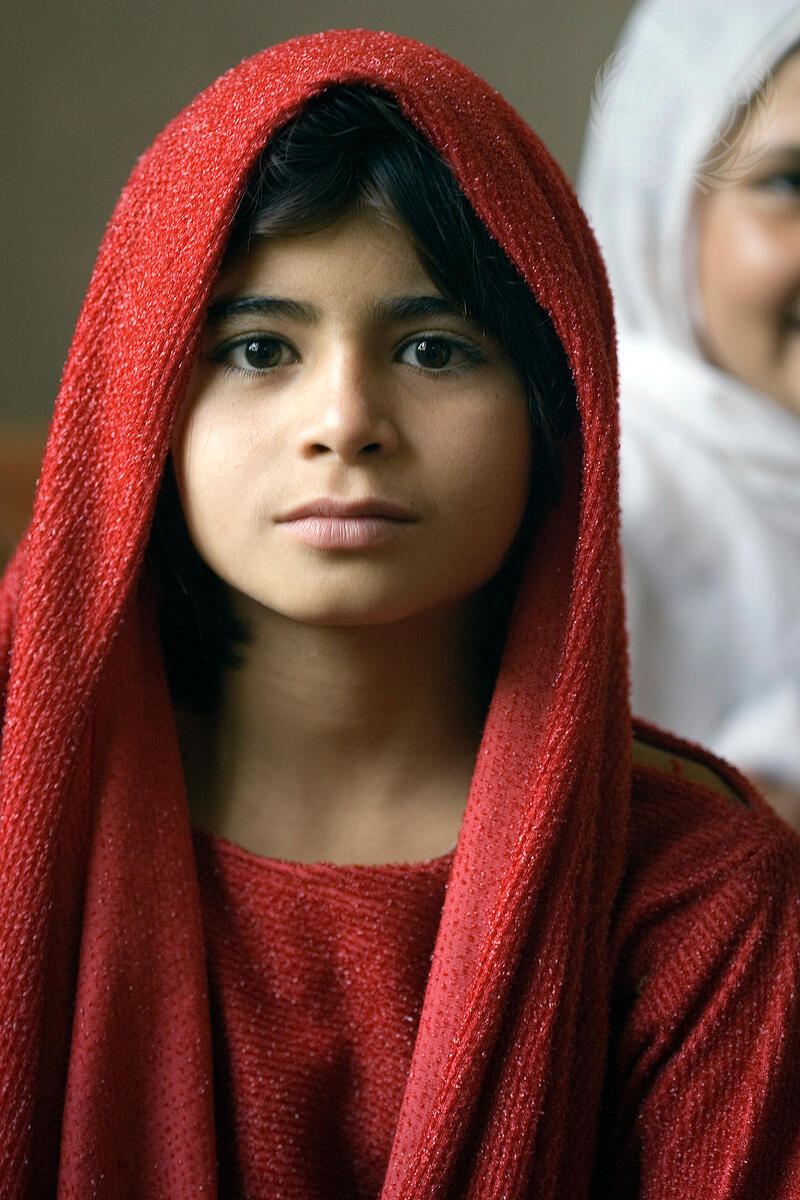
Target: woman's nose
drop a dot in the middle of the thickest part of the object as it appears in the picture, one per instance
(348, 414)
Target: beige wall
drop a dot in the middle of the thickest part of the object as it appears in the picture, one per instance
(88, 85)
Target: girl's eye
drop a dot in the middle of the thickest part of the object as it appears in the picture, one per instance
(438, 353)
(254, 354)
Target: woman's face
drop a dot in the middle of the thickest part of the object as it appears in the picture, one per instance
(351, 449)
(749, 253)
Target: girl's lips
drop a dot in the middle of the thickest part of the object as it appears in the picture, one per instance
(328, 524)
(345, 533)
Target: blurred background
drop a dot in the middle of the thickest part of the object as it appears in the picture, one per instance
(87, 87)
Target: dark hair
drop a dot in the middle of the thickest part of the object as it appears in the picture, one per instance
(352, 149)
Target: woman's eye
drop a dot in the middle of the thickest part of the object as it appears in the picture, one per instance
(253, 354)
(437, 353)
(783, 183)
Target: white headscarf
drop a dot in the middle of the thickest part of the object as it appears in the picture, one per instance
(710, 467)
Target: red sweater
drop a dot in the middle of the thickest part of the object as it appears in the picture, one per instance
(318, 973)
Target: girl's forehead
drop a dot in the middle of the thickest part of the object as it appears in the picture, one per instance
(362, 248)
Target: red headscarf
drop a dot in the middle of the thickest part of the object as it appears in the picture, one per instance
(105, 1058)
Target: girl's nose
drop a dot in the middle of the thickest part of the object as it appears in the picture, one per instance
(348, 415)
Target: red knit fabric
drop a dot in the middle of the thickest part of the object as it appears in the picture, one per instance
(317, 976)
(106, 1082)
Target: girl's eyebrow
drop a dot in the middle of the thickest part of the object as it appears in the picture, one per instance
(386, 309)
(403, 308)
(295, 310)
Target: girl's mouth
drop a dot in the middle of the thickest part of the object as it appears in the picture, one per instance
(330, 524)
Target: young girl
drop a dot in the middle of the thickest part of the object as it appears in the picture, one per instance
(323, 576)
(691, 178)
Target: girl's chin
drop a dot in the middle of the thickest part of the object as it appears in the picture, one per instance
(352, 613)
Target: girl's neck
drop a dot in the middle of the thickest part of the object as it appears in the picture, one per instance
(348, 744)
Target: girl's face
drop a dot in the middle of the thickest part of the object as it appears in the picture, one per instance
(749, 253)
(351, 449)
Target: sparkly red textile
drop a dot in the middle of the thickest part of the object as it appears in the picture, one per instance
(316, 978)
(106, 1081)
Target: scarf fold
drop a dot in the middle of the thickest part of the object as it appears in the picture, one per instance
(99, 913)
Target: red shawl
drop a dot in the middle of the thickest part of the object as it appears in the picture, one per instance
(105, 1061)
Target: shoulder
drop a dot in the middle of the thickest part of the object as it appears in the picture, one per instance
(705, 1009)
(664, 762)
(695, 816)
(707, 859)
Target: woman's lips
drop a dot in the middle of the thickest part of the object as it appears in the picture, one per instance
(336, 525)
